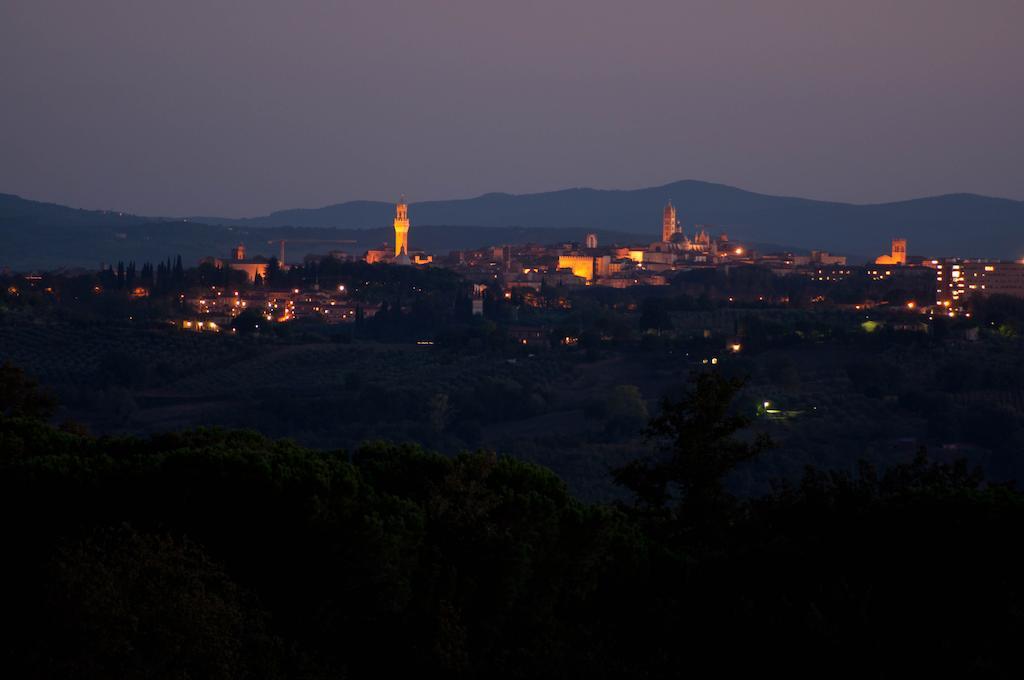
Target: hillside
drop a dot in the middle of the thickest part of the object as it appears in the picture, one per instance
(19, 212)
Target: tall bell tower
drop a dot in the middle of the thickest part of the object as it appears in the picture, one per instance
(899, 251)
(669, 226)
(401, 228)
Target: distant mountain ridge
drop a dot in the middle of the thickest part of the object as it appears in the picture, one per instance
(35, 234)
(966, 225)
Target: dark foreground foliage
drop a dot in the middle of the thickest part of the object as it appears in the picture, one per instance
(226, 554)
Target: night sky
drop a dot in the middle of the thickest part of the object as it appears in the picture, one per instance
(209, 107)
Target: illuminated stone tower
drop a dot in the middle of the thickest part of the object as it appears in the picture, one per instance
(898, 255)
(899, 250)
(401, 228)
(668, 223)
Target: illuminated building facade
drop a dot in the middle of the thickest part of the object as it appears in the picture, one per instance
(957, 279)
(401, 229)
(253, 267)
(820, 257)
(587, 267)
(591, 240)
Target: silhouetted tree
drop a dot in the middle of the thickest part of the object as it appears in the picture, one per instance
(625, 411)
(697, 434)
(178, 273)
(273, 275)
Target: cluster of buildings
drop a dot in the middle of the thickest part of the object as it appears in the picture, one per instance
(254, 267)
(532, 266)
(216, 308)
(955, 278)
(622, 266)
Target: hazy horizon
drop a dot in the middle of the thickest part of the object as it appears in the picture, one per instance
(220, 109)
(411, 201)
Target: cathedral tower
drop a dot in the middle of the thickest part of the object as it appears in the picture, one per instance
(899, 250)
(401, 228)
(899, 253)
(668, 223)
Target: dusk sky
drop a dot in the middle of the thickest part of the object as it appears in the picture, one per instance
(240, 108)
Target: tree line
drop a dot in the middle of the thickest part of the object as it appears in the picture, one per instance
(226, 554)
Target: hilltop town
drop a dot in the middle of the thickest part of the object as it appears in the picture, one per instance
(930, 285)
